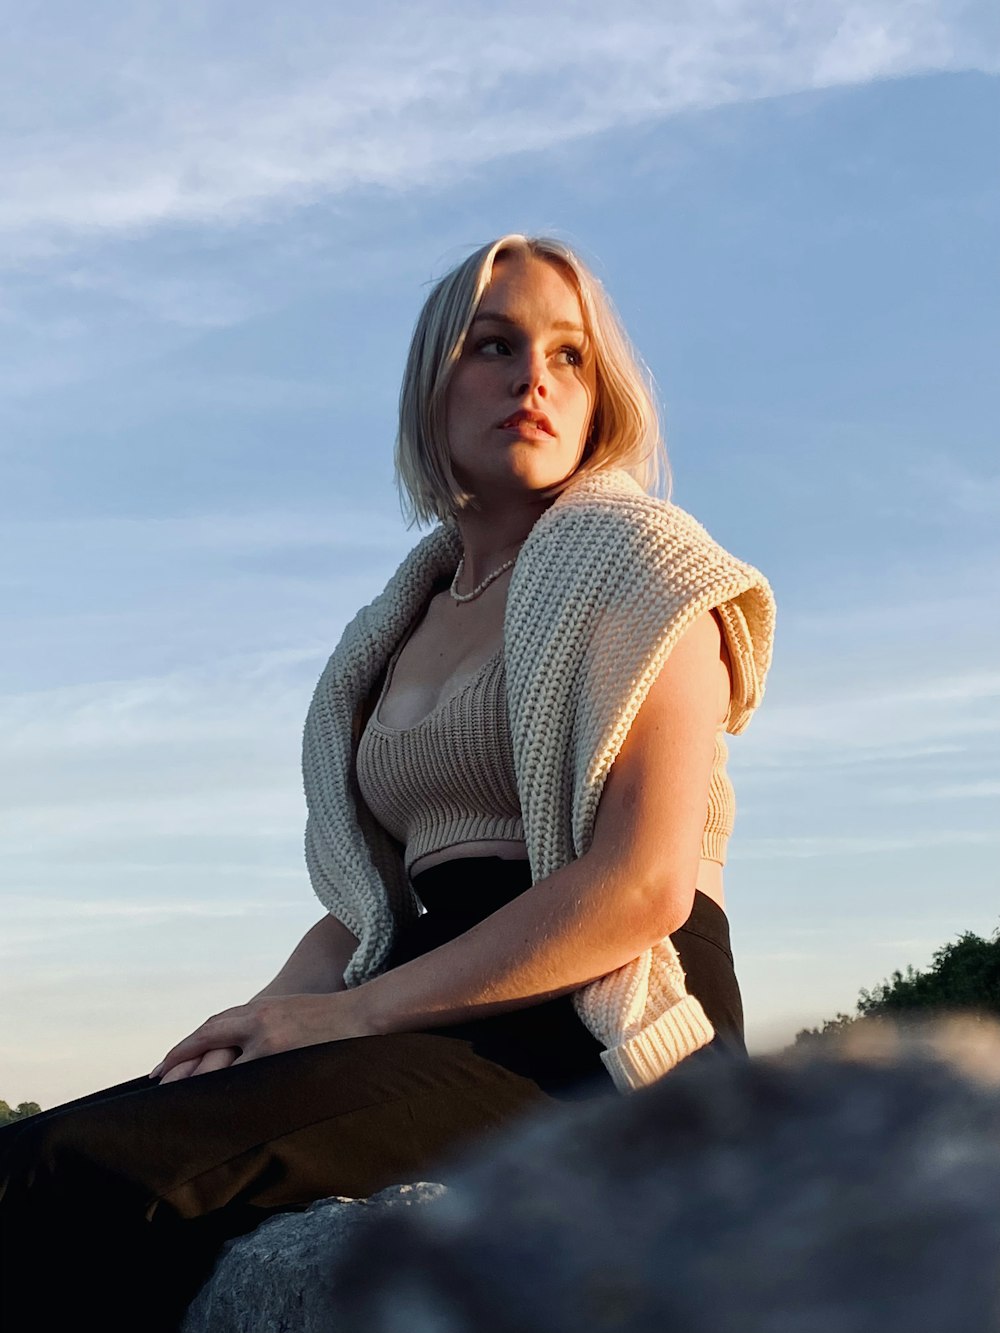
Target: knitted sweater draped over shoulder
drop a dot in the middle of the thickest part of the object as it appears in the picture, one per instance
(606, 583)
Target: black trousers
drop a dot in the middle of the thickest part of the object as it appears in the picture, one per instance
(138, 1186)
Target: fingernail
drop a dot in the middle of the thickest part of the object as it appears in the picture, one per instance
(156, 1072)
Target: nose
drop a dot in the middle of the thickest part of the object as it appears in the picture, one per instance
(531, 374)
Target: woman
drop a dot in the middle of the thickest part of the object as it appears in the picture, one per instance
(517, 794)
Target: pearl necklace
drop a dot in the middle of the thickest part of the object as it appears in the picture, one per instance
(480, 587)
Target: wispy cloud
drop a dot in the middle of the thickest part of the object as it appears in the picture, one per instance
(943, 791)
(833, 845)
(958, 486)
(156, 769)
(32, 921)
(208, 705)
(873, 724)
(179, 117)
(252, 532)
(250, 814)
(122, 623)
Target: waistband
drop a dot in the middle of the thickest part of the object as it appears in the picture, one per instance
(471, 888)
(472, 885)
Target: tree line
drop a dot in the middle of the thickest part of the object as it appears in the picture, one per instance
(19, 1112)
(963, 975)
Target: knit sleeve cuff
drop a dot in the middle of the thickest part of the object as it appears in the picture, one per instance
(654, 1051)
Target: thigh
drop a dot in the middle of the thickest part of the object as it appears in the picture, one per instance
(703, 947)
(136, 1188)
(340, 1118)
(350, 1118)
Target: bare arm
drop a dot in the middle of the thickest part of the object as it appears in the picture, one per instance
(634, 886)
(316, 965)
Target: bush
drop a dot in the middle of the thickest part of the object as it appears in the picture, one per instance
(19, 1112)
(963, 975)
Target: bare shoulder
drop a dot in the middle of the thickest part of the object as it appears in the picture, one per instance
(697, 668)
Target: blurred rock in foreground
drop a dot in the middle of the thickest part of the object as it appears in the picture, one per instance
(280, 1276)
(854, 1189)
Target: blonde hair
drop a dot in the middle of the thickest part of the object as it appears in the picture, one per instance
(625, 429)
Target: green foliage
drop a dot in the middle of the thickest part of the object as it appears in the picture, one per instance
(19, 1112)
(831, 1027)
(964, 975)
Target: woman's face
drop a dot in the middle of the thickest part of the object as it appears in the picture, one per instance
(522, 393)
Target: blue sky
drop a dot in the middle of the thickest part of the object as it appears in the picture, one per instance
(215, 233)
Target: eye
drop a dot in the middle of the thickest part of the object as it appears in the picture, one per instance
(493, 346)
(573, 355)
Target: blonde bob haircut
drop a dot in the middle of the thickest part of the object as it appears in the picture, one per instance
(624, 430)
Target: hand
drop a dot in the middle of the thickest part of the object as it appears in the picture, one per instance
(265, 1026)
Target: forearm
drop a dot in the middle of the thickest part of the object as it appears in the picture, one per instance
(586, 920)
(316, 964)
(577, 925)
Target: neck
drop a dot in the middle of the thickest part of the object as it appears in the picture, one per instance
(489, 537)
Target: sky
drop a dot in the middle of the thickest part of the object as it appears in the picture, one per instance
(217, 225)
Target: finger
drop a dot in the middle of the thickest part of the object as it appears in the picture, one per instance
(214, 1060)
(182, 1070)
(206, 1064)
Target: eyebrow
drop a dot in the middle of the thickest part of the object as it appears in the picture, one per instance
(494, 317)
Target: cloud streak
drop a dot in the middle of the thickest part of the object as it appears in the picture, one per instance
(833, 845)
(186, 119)
(940, 715)
(256, 533)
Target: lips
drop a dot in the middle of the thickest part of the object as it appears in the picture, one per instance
(526, 417)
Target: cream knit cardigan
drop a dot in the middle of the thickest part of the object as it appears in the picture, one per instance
(607, 581)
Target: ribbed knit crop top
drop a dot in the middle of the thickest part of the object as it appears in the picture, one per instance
(450, 778)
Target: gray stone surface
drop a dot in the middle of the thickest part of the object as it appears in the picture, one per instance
(850, 1192)
(278, 1278)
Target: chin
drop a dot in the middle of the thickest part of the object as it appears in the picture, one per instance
(536, 473)
(523, 473)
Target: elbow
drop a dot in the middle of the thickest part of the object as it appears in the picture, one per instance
(663, 900)
(641, 902)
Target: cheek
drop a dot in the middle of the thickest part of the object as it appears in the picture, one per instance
(458, 402)
(465, 392)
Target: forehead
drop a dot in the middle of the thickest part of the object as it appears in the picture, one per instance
(524, 286)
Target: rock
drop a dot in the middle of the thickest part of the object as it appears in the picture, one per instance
(854, 1190)
(278, 1278)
